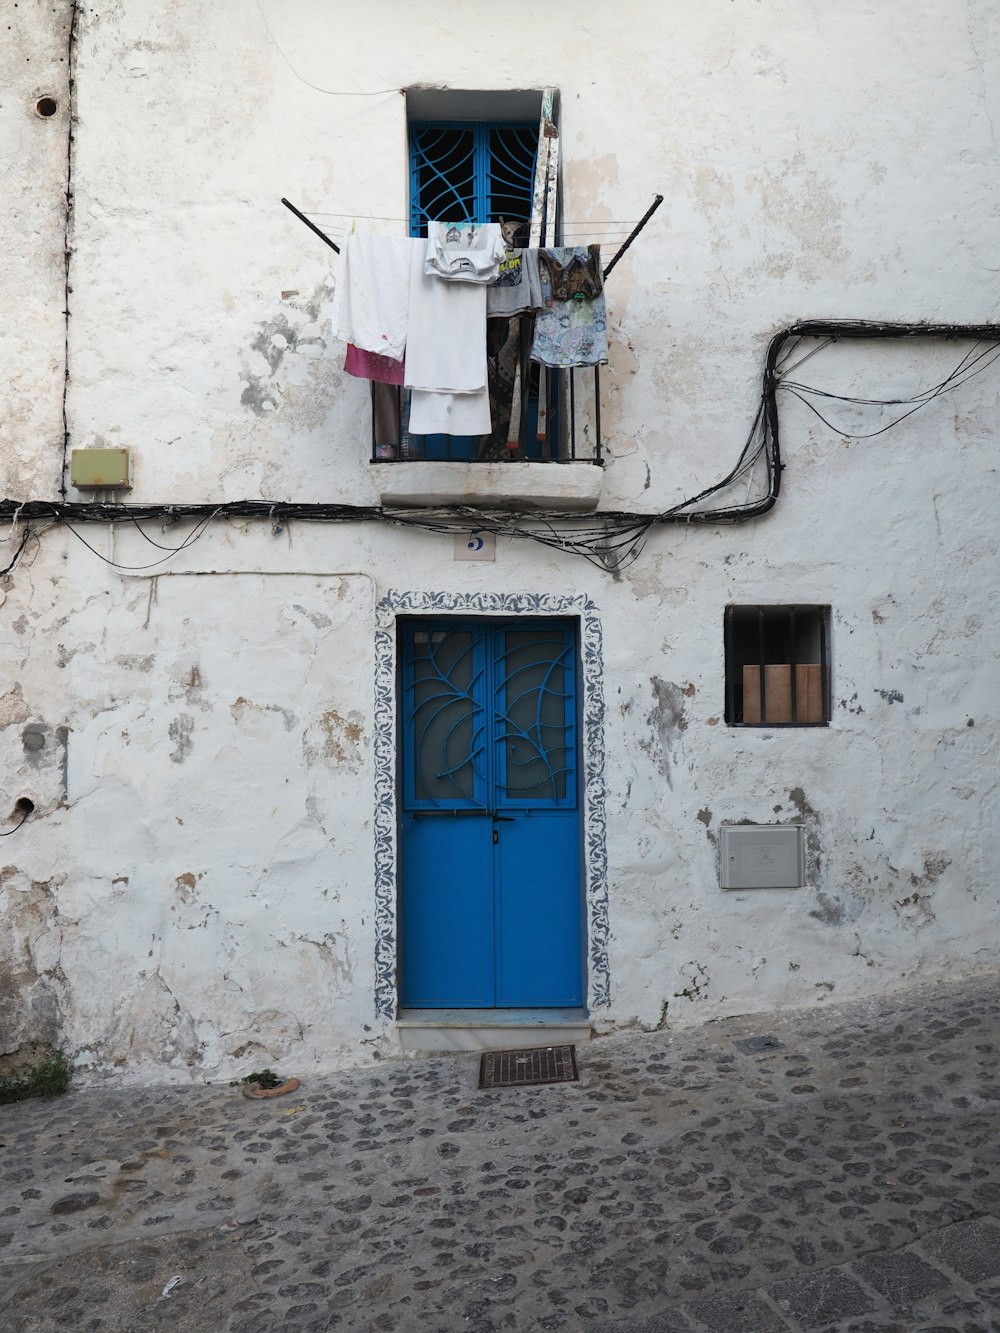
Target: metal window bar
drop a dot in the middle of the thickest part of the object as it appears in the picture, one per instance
(553, 387)
(760, 661)
(824, 664)
(526, 326)
(572, 416)
(791, 660)
(597, 412)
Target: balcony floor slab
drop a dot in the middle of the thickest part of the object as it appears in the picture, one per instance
(533, 486)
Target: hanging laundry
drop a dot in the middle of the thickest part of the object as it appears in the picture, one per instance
(446, 348)
(371, 366)
(503, 346)
(575, 271)
(517, 289)
(571, 329)
(371, 302)
(449, 413)
(464, 251)
(385, 419)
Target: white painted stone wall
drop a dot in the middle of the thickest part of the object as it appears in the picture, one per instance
(193, 895)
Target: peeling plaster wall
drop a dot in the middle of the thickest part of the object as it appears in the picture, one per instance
(193, 895)
(211, 910)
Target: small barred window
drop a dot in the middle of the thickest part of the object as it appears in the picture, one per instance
(777, 666)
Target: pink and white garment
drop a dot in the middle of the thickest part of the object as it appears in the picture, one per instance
(426, 299)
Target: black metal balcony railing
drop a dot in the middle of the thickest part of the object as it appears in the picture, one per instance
(570, 429)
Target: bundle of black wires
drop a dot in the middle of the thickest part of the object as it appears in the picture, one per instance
(611, 540)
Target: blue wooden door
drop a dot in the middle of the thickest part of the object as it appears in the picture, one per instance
(490, 898)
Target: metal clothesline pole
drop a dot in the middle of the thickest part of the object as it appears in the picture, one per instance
(312, 226)
(635, 232)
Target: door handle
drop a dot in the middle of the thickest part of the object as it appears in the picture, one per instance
(501, 819)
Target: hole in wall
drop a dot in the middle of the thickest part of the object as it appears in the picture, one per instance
(24, 805)
(46, 106)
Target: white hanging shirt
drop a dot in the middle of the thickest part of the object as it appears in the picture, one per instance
(464, 251)
(450, 413)
(371, 303)
(446, 354)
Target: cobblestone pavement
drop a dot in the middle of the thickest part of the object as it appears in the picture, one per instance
(831, 1170)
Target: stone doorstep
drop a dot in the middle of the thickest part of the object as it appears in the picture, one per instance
(490, 1029)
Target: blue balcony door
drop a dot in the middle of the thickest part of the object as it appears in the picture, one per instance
(490, 892)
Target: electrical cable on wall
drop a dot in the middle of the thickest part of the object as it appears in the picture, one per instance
(26, 806)
(18, 553)
(328, 92)
(608, 539)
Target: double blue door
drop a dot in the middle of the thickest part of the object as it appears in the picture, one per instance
(490, 899)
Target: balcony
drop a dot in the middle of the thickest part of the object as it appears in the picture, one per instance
(547, 458)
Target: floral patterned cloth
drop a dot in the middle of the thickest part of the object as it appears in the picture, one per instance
(572, 332)
(579, 275)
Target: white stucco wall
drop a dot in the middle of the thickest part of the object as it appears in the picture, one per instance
(194, 893)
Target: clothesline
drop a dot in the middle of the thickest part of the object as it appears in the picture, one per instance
(383, 217)
(340, 229)
(606, 241)
(622, 246)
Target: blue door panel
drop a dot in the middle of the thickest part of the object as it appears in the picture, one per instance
(446, 918)
(539, 956)
(491, 897)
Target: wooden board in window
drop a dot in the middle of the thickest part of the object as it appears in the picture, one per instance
(778, 693)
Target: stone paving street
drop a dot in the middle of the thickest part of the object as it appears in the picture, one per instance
(831, 1170)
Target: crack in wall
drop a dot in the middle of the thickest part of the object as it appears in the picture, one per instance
(68, 229)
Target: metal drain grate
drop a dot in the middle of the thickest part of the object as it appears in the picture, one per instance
(519, 1069)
